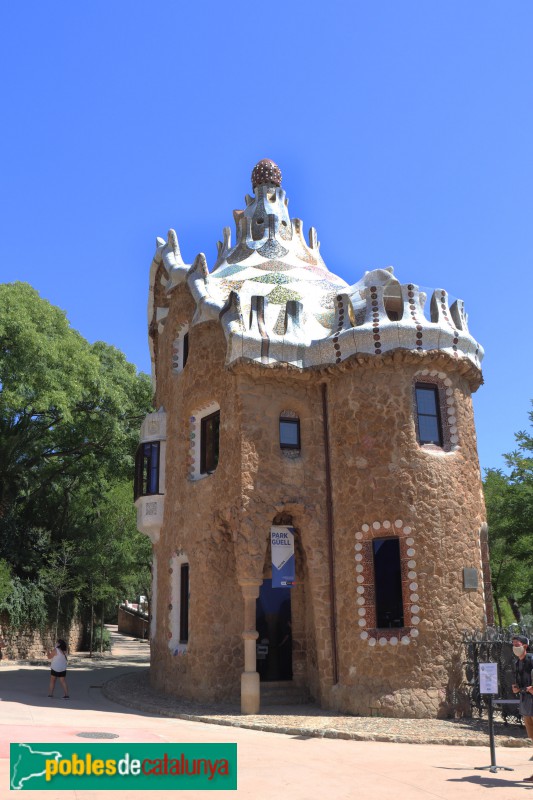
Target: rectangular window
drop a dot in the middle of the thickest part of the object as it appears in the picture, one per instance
(289, 433)
(209, 439)
(388, 582)
(428, 414)
(147, 469)
(185, 349)
(184, 603)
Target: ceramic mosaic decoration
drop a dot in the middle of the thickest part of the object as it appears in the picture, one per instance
(278, 302)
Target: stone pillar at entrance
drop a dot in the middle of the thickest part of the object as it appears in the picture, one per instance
(250, 695)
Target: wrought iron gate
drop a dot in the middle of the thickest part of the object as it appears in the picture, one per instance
(492, 645)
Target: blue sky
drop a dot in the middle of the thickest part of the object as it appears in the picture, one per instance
(403, 131)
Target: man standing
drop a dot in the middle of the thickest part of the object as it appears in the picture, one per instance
(522, 684)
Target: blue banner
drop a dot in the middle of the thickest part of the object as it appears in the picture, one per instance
(282, 544)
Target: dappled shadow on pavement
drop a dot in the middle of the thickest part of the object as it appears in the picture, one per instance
(492, 783)
(27, 683)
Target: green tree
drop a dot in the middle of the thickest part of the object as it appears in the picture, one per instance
(509, 499)
(113, 558)
(6, 584)
(66, 407)
(69, 420)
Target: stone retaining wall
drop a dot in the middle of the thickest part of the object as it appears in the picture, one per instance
(34, 644)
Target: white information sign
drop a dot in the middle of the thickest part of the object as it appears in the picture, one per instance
(488, 678)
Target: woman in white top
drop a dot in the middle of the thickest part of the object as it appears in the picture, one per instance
(58, 667)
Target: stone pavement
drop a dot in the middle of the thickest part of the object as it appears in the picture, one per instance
(298, 765)
(134, 690)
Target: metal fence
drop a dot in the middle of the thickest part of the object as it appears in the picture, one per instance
(492, 645)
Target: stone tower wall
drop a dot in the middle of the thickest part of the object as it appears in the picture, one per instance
(194, 522)
(380, 477)
(385, 483)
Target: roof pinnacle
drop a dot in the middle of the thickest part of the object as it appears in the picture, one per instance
(266, 172)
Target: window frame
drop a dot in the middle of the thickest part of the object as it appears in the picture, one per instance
(185, 349)
(437, 416)
(209, 464)
(379, 584)
(184, 603)
(147, 469)
(295, 421)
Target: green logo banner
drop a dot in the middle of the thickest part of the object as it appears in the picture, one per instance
(123, 766)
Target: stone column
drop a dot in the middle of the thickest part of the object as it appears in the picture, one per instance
(250, 694)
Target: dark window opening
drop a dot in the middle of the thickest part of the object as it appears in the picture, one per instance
(185, 350)
(289, 433)
(428, 414)
(388, 582)
(146, 470)
(209, 440)
(184, 603)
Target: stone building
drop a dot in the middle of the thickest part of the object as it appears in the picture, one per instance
(338, 416)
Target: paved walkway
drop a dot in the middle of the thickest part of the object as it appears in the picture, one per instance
(133, 690)
(270, 764)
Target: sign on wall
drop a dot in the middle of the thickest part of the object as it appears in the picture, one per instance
(282, 544)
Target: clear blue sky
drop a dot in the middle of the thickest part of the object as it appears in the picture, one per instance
(404, 131)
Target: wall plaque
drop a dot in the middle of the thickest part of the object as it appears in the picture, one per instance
(470, 578)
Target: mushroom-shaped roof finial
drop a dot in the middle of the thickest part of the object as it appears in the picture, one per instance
(266, 172)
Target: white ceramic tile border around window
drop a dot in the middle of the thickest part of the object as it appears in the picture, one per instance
(450, 430)
(153, 604)
(175, 562)
(367, 533)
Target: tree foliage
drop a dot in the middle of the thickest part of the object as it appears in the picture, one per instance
(69, 419)
(509, 499)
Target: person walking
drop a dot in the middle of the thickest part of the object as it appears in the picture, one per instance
(523, 684)
(58, 669)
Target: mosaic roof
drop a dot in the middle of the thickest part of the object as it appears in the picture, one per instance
(278, 302)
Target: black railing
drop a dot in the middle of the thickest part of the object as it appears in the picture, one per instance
(492, 645)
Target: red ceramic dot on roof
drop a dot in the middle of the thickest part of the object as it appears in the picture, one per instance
(266, 172)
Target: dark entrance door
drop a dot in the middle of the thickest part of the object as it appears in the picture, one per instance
(274, 644)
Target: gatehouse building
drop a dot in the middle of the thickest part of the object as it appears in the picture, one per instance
(340, 419)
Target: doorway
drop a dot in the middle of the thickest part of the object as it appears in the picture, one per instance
(274, 626)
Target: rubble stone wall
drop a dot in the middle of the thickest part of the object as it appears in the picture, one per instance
(32, 644)
(430, 497)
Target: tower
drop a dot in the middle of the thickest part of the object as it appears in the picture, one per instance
(338, 414)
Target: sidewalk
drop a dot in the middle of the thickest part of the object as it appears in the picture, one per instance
(134, 691)
(299, 765)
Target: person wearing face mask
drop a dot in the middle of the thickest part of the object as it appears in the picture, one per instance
(523, 684)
